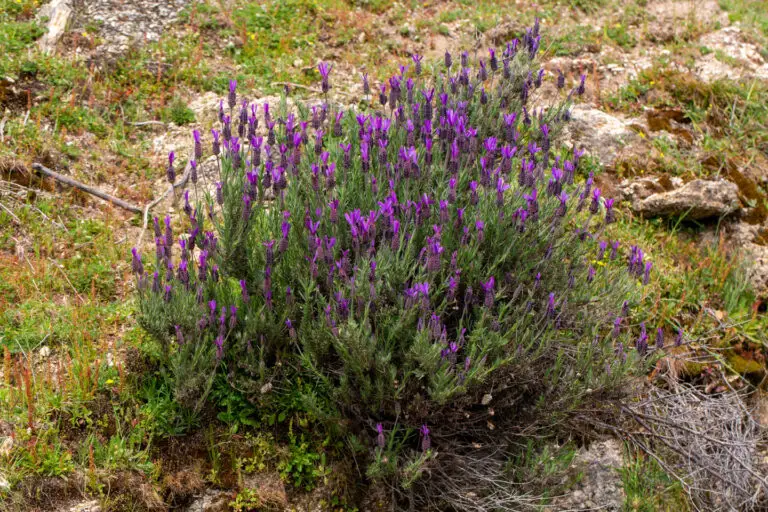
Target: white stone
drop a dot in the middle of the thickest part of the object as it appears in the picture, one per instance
(58, 12)
(602, 135)
(6, 446)
(86, 506)
(697, 199)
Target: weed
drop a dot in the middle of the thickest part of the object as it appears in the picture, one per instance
(179, 113)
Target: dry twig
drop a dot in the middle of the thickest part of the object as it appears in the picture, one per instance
(86, 188)
(709, 440)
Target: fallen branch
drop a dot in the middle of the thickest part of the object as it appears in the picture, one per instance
(82, 186)
(114, 200)
(149, 206)
(9, 212)
(145, 123)
(307, 88)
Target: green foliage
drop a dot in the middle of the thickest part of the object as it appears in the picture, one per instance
(376, 6)
(246, 500)
(44, 455)
(162, 412)
(17, 31)
(303, 466)
(749, 12)
(619, 34)
(315, 312)
(234, 408)
(179, 113)
(648, 488)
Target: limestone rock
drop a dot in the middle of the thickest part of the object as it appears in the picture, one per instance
(744, 58)
(750, 239)
(124, 24)
(211, 501)
(697, 199)
(638, 189)
(602, 135)
(86, 506)
(600, 486)
(59, 14)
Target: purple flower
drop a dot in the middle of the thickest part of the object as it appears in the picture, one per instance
(474, 198)
(198, 144)
(435, 250)
(219, 342)
(616, 327)
(232, 317)
(603, 247)
(561, 209)
(219, 193)
(551, 306)
(183, 273)
(501, 187)
(594, 206)
(417, 61)
(366, 85)
(480, 227)
(642, 341)
(325, 70)
(647, 272)
(179, 335)
(610, 215)
(620, 352)
(659, 338)
(171, 172)
(136, 265)
(246, 207)
(488, 288)
(581, 88)
(291, 329)
(494, 61)
(244, 291)
(426, 442)
(380, 439)
(232, 98)
(555, 185)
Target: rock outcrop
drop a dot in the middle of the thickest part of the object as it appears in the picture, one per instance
(696, 200)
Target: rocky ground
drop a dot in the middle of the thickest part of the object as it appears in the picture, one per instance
(675, 122)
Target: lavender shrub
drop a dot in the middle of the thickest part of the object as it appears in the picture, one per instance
(433, 268)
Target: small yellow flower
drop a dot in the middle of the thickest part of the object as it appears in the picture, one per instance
(109, 382)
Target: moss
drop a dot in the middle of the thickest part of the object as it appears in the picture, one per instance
(744, 366)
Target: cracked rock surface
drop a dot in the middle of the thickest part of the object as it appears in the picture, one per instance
(125, 23)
